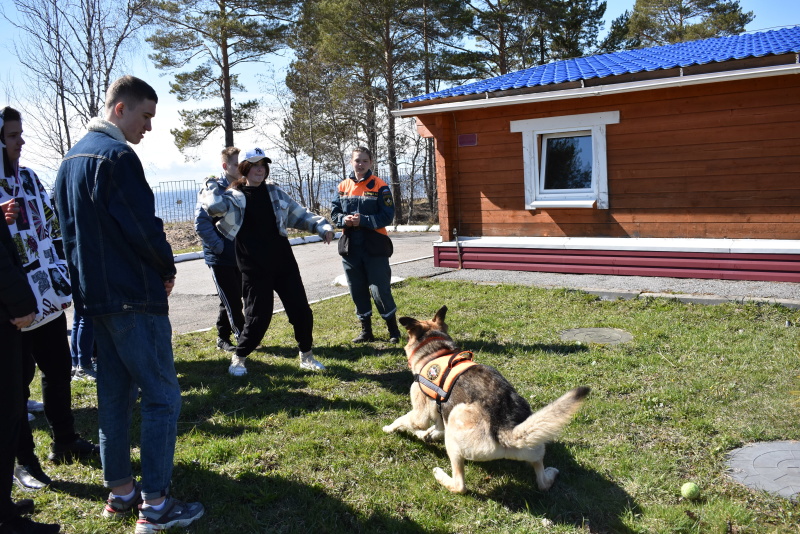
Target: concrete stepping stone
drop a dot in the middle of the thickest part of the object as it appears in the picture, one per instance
(770, 466)
(608, 336)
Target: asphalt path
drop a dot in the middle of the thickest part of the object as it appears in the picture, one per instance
(194, 302)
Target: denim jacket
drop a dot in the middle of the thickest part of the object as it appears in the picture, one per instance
(117, 251)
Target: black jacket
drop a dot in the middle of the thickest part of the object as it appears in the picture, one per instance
(16, 297)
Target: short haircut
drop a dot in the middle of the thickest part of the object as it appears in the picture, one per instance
(8, 114)
(363, 149)
(130, 90)
(229, 151)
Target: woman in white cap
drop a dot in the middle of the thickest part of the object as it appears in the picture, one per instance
(265, 257)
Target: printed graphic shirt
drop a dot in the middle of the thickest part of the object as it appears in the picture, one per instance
(37, 236)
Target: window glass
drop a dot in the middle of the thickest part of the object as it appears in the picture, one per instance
(567, 161)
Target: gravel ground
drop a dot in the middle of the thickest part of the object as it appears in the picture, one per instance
(628, 286)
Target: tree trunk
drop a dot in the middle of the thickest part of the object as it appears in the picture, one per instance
(391, 134)
(227, 109)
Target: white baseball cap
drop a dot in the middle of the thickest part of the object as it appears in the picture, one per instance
(254, 155)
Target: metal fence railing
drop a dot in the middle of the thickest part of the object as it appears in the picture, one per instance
(175, 201)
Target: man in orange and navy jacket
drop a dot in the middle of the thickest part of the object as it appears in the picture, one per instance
(365, 205)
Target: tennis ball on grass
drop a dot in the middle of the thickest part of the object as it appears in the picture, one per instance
(690, 490)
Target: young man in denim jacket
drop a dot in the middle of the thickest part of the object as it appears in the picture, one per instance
(123, 271)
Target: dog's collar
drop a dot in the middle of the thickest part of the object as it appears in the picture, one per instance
(438, 353)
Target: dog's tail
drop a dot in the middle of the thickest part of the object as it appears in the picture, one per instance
(546, 424)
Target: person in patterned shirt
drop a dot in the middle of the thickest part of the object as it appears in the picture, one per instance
(37, 236)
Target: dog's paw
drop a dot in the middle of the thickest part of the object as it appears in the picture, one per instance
(388, 429)
(445, 480)
(550, 475)
(431, 435)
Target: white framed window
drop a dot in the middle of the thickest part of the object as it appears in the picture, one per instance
(565, 160)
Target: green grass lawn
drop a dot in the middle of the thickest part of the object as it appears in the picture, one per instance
(283, 450)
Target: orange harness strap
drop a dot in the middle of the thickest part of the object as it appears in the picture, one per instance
(438, 376)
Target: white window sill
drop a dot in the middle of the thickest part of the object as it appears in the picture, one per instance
(561, 204)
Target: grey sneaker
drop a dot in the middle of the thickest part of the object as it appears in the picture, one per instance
(117, 507)
(174, 514)
(307, 361)
(83, 373)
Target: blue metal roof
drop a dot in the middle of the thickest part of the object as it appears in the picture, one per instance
(631, 61)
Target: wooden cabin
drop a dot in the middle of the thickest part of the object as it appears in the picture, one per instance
(679, 161)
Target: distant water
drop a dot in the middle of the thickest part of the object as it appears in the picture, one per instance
(174, 204)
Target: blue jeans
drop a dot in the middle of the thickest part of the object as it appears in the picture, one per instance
(134, 350)
(82, 340)
(369, 276)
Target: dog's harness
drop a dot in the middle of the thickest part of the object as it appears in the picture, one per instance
(437, 376)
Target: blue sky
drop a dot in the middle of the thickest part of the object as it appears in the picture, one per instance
(164, 163)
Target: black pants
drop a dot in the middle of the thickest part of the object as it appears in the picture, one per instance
(47, 347)
(283, 277)
(11, 413)
(228, 280)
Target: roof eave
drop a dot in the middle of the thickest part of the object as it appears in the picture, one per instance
(486, 101)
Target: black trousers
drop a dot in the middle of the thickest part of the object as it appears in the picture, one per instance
(259, 287)
(47, 346)
(228, 280)
(12, 414)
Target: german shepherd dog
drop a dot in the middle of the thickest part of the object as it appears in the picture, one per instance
(483, 418)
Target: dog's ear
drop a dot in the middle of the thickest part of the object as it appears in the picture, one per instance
(408, 322)
(439, 318)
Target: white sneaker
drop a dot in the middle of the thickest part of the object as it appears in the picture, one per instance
(307, 361)
(237, 367)
(35, 406)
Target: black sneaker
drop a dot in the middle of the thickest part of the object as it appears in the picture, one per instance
(66, 452)
(23, 507)
(23, 525)
(116, 508)
(174, 514)
(31, 477)
(226, 345)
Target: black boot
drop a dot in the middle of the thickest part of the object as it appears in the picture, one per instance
(366, 332)
(394, 332)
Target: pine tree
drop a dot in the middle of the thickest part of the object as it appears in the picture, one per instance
(660, 22)
(211, 39)
(578, 22)
(618, 36)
